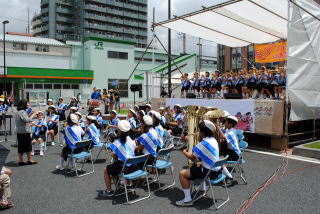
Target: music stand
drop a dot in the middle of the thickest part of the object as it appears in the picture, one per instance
(4, 129)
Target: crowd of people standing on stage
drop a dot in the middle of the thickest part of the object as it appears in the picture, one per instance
(254, 83)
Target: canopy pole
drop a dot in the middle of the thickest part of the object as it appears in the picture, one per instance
(169, 50)
(145, 51)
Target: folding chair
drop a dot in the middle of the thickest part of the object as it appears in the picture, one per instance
(101, 146)
(162, 162)
(138, 174)
(220, 178)
(238, 163)
(85, 148)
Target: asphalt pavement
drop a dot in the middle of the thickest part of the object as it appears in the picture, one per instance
(42, 189)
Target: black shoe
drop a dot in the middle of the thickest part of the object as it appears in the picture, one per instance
(31, 163)
(22, 163)
(230, 182)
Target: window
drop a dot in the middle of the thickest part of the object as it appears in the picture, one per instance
(20, 46)
(117, 55)
(74, 86)
(47, 86)
(160, 60)
(38, 86)
(28, 86)
(121, 85)
(57, 86)
(140, 92)
(42, 48)
(66, 86)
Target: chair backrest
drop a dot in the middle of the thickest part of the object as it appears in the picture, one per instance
(243, 145)
(165, 151)
(240, 134)
(220, 162)
(137, 159)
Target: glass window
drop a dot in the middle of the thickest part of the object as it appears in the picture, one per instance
(74, 86)
(28, 86)
(47, 86)
(42, 48)
(57, 86)
(20, 46)
(66, 86)
(117, 55)
(38, 86)
(123, 55)
(119, 84)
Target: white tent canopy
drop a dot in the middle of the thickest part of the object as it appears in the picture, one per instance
(236, 23)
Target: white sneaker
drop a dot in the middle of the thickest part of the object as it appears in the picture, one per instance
(32, 153)
(60, 167)
(53, 143)
(41, 153)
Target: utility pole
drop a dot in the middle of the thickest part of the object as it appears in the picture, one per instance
(200, 55)
(184, 43)
(28, 20)
(169, 51)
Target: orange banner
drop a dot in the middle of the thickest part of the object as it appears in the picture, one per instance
(268, 53)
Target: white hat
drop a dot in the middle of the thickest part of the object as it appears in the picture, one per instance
(39, 112)
(152, 111)
(51, 106)
(209, 125)
(136, 106)
(124, 126)
(91, 117)
(74, 108)
(60, 98)
(226, 114)
(97, 109)
(143, 112)
(78, 113)
(232, 118)
(157, 115)
(1, 100)
(161, 108)
(132, 111)
(114, 111)
(147, 120)
(148, 105)
(49, 100)
(74, 98)
(178, 105)
(74, 118)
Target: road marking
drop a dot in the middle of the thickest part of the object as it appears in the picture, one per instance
(280, 155)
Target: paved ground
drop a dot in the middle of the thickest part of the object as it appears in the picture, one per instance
(41, 189)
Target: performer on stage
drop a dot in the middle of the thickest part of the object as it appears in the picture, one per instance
(72, 135)
(123, 148)
(204, 155)
(206, 83)
(61, 107)
(185, 85)
(177, 125)
(92, 130)
(147, 142)
(53, 121)
(216, 84)
(196, 83)
(39, 134)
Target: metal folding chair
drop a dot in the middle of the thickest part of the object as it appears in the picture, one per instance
(85, 152)
(101, 146)
(138, 174)
(243, 145)
(220, 178)
(162, 162)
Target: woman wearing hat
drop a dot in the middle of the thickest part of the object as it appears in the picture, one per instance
(39, 134)
(204, 155)
(177, 124)
(72, 134)
(122, 149)
(53, 121)
(92, 130)
(61, 108)
(73, 103)
(163, 118)
(23, 121)
(148, 141)
(81, 123)
(114, 120)
(156, 116)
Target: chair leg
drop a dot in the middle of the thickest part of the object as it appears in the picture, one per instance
(242, 174)
(227, 194)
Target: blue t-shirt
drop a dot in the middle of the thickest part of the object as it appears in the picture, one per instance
(95, 95)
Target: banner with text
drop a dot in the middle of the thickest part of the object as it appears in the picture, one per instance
(269, 53)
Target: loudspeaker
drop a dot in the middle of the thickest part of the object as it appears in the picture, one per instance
(232, 96)
(136, 87)
(191, 95)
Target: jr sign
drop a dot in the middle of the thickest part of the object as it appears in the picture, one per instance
(98, 45)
